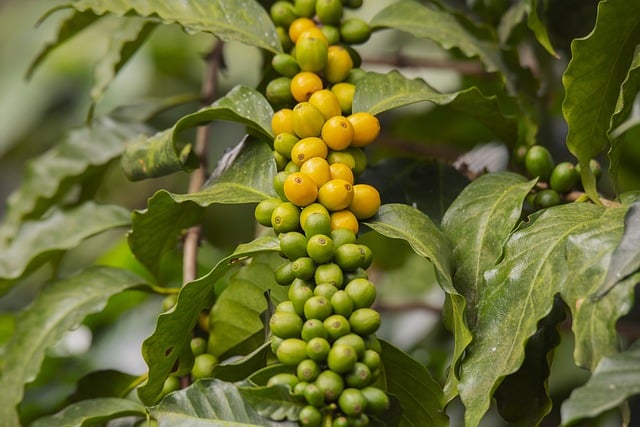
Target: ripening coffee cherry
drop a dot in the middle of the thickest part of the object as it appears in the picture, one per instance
(299, 26)
(332, 33)
(282, 121)
(366, 201)
(341, 421)
(317, 223)
(311, 53)
(285, 217)
(344, 219)
(285, 64)
(283, 143)
(327, 102)
(311, 209)
(564, 177)
(341, 171)
(320, 248)
(338, 64)
(538, 162)
(344, 92)
(330, 384)
(203, 365)
(300, 189)
(292, 351)
(366, 128)
(371, 358)
(293, 244)
(307, 122)
(352, 402)
(337, 132)
(285, 307)
(336, 194)
(264, 209)
(342, 236)
(172, 383)
(318, 169)
(303, 85)
(285, 325)
(359, 159)
(278, 184)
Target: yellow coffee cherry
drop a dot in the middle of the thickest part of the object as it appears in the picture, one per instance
(308, 148)
(365, 202)
(298, 26)
(304, 84)
(313, 32)
(336, 194)
(344, 219)
(341, 157)
(341, 171)
(326, 102)
(300, 189)
(338, 64)
(344, 92)
(337, 132)
(317, 169)
(311, 209)
(282, 121)
(366, 128)
(307, 120)
(311, 52)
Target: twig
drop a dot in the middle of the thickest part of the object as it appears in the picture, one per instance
(198, 177)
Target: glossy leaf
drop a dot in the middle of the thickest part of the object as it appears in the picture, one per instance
(156, 229)
(381, 92)
(128, 36)
(538, 27)
(165, 153)
(399, 221)
(421, 397)
(478, 223)
(274, 402)
(537, 263)
(240, 369)
(615, 379)
(173, 329)
(592, 80)
(229, 20)
(49, 177)
(91, 412)
(60, 307)
(37, 242)
(210, 403)
(104, 383)
(441, 27)
(235, 317)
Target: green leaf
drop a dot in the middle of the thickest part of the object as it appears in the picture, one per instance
(538, 27)
(229, 20)
(104, 383)
(510, 20)
(592, 80)
(155, 230)
(523, 397)
(49, 177)
(478, 223)
(421, 397)
(164, 152)
(381, 92)
(274, 402)
(173, 330)
(441, 27)
(615, 379)
(37, 242)
(626, 257)
(243, 368)
(60, 307)
(128, 36)
(210, 403)
(91, 412)
(399, 221)
(520, 291)
(589, 256)
(70, 27)
(235, 317)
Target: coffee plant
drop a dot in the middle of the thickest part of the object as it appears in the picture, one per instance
(325, 213)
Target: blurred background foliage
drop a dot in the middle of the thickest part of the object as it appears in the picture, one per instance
(35, 114)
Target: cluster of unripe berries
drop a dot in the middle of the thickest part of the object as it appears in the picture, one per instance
(555, 180)
(324, 333)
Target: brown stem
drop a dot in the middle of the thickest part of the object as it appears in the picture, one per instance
(198, 177)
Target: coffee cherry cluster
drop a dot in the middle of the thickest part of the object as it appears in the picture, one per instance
(556, 180)
(325, 330)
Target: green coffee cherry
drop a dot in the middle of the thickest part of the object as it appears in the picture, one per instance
(303, 268)
(341, 303)
(353, 4)
(298, 294)
(299, 388)
(362, 292)
(320, 248)
(377, 400)
(329, 273)
(284, 274)
(318, 349)
(307, 370)
(285, 307)
(564, 177)
(203, 365)
(342, 358)
(364, 321)
(278, 92)
(547, 198)
(326, 290)
(332, 33)
(285, 325)
(538, 162)
(337, 326)
(292, 351)
(371, 358)
(284, 142)
(172, 383)
(355, 341)
(372, 343)
(282, 13)
(286, 217)
(329, 11)
(351, 256)
(305, 8)
(281, 161)
(285, 64)
(293, 244)
(310, 416)
(352, 402)
(311, 54)
(317, 223)
(355, 31)
(198, 345)
(313, 328)
(359, 158)
(313, 395)
(278, 185)
(361, 420)
(284, 378)
(317, 307)
(264, 209)
(341, 421)
(330, 384)
(359, 377)
(342, 236)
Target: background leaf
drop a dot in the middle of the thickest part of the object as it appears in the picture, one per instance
(173, 329)
(520, 291)
(592, 81)
(477, 223)
(240, 20)
(165, 153)
(274, 402)
(381, 92)
(615, 379)
(91, 412)
(421, 397)
(103, 383)
(210, 400)
(538, 27)
(240, 369)
(37, 242)
(60, 307)
(156, 230)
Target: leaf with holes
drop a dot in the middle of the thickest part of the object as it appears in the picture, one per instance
(92, 412)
